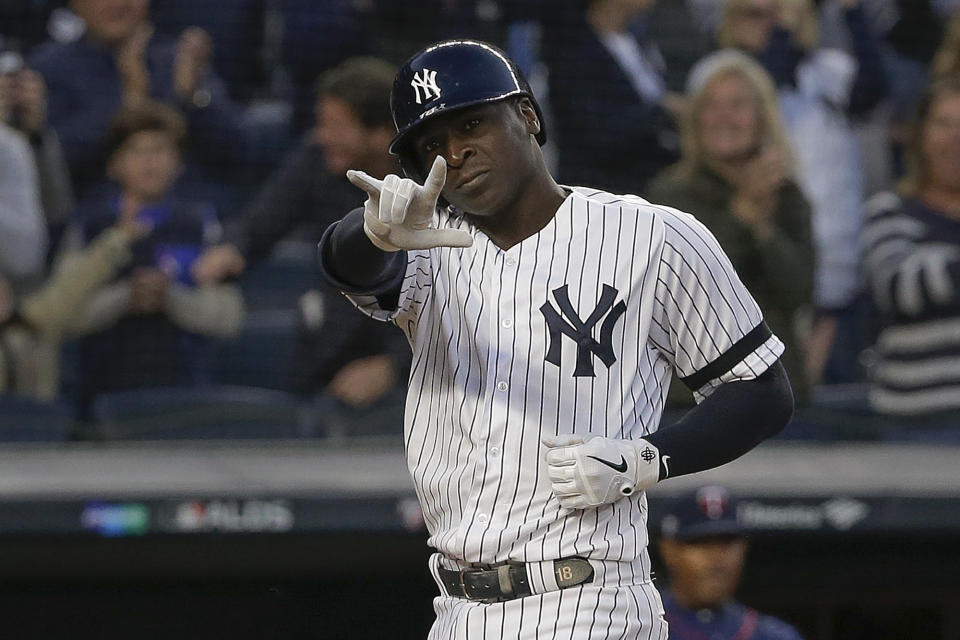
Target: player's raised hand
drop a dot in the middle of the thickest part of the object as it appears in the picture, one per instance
(398, 213)
(589, 473)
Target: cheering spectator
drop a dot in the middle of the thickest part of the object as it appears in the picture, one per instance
(31, 328)
(734, 176)
(819, 91)
(23, 98)
(912, 243)
(346, 355)
(119, 62)
(608, 96)
(238, 27)
(23, 234)
(150, 325)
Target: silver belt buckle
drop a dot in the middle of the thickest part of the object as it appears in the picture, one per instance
(463, 587)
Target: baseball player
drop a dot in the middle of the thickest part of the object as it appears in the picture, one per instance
(545, 322)
(704, 548)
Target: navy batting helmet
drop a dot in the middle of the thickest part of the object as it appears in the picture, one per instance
(446, 76)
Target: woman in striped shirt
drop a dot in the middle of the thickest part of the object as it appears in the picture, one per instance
(912, 243)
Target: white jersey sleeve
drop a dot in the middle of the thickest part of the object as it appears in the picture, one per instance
(704, 319)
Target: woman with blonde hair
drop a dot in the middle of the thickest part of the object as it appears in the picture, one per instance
(735, 177)
(821, 90)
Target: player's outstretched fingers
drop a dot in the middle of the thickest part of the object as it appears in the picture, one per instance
(401, 200)
(457, 238)
(437, 177)
(387, 197)
(363, 180)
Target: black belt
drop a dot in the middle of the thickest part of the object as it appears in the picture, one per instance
(509, 581)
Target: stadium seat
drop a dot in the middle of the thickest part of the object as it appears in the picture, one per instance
(262, 355)
(25, 420)
(278, 281)
(215, 412)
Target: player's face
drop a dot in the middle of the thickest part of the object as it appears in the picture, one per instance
(941, 142)
(728, 121)
(347, 142)
(488, 153)
(112, 21)
(147, 165)
(705, 573)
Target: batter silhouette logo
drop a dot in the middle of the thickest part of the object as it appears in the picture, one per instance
(426, 81)
(581, 331)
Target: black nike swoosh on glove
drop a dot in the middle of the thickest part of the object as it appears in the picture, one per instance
(616, 467)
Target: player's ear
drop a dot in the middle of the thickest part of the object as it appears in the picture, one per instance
(529, 115)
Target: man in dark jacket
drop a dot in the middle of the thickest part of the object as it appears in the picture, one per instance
(350, 357)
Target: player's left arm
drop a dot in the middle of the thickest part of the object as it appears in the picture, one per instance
(708, 325)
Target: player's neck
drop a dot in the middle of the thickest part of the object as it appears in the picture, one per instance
(530, 212)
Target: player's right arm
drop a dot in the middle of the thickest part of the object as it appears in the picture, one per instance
(366, 253)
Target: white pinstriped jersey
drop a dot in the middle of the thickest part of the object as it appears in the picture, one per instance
(575, 329)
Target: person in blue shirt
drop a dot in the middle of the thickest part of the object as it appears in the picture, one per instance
(703, 548)
(152, 324)
(120, 62)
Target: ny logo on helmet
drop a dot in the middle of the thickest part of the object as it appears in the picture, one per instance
(426, 80)
(580, 330)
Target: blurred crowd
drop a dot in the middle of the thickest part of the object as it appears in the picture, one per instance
(166, 170)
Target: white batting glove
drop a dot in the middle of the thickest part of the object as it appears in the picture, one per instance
(598, 470)
(399, 212)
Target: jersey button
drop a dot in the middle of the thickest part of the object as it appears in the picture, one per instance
(507, 323)
(511, 261)
(495, 452)
(502, 386)
(482, 518)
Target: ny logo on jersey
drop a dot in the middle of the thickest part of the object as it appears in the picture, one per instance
(580, 331)
(427, 81)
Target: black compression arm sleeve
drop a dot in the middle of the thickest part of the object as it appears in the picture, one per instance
(351, 263)
(733, 419)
